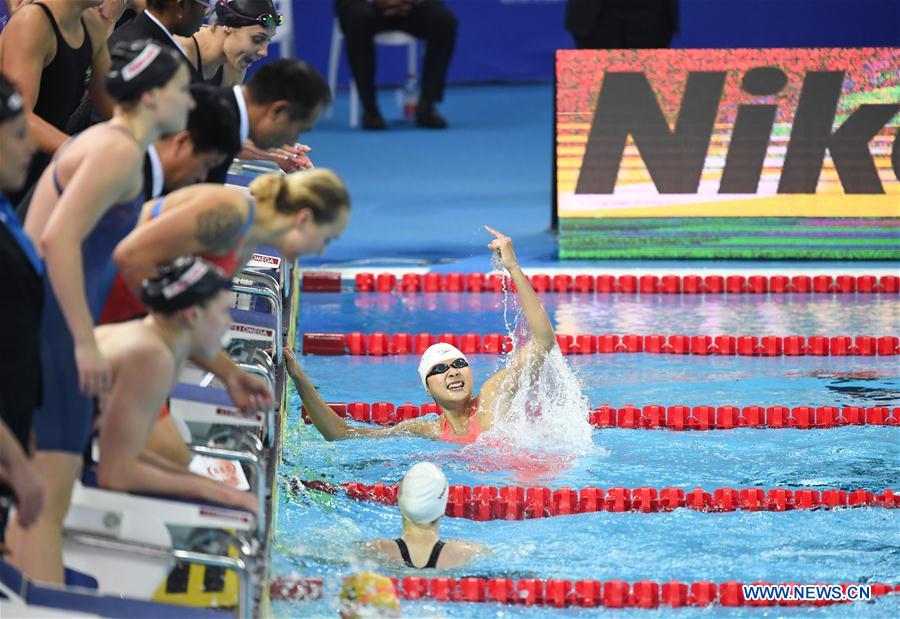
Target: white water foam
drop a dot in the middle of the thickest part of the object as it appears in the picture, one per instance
(542, 408)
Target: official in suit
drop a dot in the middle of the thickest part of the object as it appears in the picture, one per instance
(281, 100)
(429, 20)
(161, 20)
(622, 24)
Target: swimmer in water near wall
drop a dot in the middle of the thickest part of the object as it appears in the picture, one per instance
(447, 377)
(422, 498)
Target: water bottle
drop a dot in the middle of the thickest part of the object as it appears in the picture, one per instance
(409, 96)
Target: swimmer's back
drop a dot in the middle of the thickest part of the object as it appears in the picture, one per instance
(125, 341)
(454, 553)
(108, 152)
(201, 192)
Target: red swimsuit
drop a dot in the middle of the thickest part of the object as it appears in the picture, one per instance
(122, 305)
(471, 434)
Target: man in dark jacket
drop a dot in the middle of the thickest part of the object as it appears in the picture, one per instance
(161, 20)
(429, 20)
(622, 24)
(281, 100)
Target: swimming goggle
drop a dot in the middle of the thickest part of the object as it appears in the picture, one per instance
(440, 368)
(266, 20)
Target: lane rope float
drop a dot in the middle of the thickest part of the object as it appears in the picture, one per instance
(482, 503)
(561, 593)
(657, 416)
(383, 344)
(329, 281)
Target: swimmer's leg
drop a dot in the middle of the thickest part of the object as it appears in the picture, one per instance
(37, 550)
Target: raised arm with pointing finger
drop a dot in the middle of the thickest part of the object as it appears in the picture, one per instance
(446, 376)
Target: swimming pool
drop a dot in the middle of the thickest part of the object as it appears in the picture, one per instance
(846, 545)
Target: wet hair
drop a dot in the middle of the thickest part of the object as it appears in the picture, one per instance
(185, 282)
(138, 67)
(290, 80)
(240, 13)
(319, 190)
(11, 104)
(213, 123)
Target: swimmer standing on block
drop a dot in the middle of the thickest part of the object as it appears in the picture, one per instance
(447, 377)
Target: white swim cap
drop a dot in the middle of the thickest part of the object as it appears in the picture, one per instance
(434, 355)
(422, 496)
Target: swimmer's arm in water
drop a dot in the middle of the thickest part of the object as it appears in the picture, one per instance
(459, 552)
(330, 424)
(380, 550)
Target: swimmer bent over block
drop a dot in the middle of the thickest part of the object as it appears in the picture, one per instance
(445, 373)
(190, 311)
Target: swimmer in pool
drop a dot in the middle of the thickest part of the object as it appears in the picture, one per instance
(422, 498)
(446, 376)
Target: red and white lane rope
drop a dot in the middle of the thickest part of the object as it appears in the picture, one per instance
(560, 593)
(322, 281)
(656, 416)
(484, 503)
(382, 344)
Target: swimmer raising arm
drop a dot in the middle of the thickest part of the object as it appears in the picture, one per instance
(447, 377)
(543, 338)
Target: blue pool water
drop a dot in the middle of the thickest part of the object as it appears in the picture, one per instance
(857, 545)
(575, 314)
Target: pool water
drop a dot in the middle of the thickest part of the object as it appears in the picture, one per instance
(850, 545)
(575, 314)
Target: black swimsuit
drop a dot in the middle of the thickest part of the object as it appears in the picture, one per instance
(61, 88)
(432, 560)
(215, 80)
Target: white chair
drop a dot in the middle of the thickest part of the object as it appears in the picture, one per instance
(388, 38)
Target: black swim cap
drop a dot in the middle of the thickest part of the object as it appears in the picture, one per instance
(11, 104)
(183, 283)
(239, 13)
(139, 66)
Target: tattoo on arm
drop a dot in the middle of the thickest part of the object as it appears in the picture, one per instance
(219, 228)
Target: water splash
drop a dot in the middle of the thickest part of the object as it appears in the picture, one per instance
(497, 266)
(541, 407)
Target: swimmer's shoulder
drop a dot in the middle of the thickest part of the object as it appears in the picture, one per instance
(215, 191)
(135, 344)
(383, 549)
(106, 142)
(457, 553)
(207, 196)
